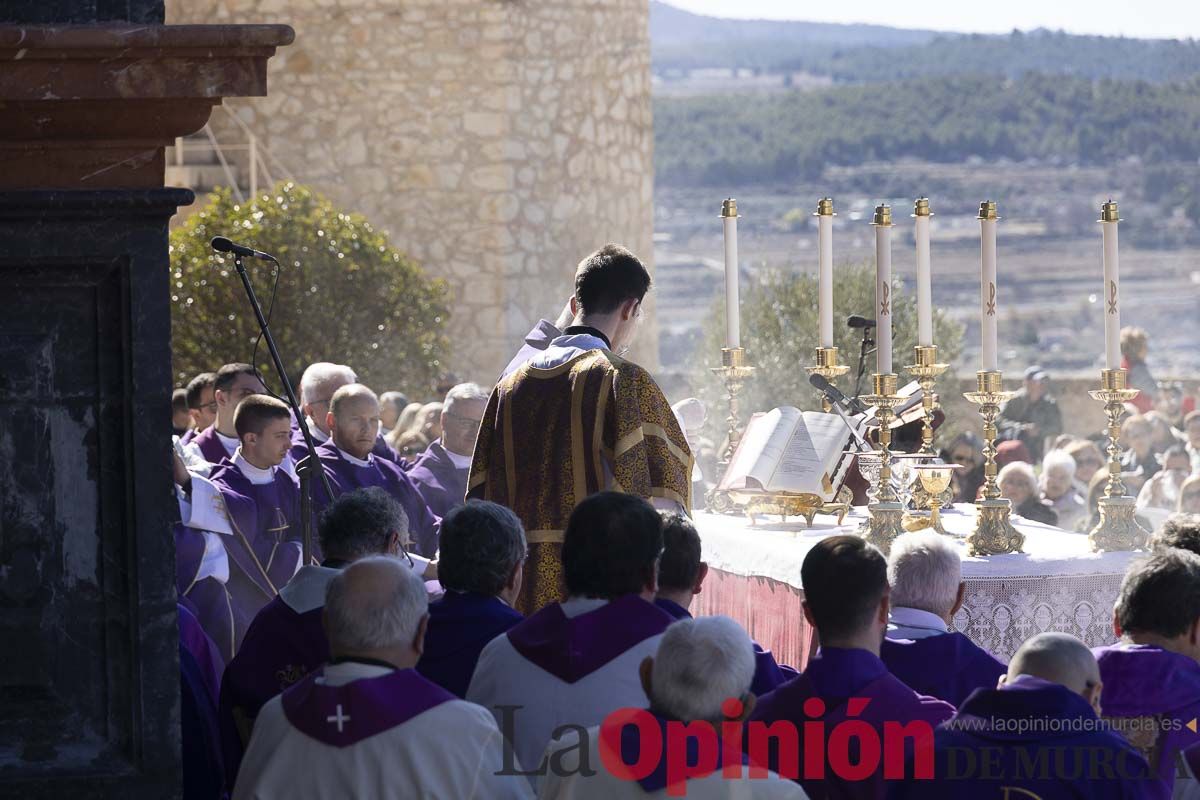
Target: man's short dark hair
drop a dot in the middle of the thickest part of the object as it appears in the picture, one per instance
(179, 401)
(844, 578)
(480, 545)
(611, 545)
(609, 277)
(227, 374)
(681, 554)
(1161, 594)
(196, 387)
(360, 523)
(253, 413)
(1179, 530)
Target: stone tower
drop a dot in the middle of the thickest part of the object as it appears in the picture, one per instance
(497, 141)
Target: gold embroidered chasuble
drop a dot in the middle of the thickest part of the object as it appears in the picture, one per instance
(551, 437)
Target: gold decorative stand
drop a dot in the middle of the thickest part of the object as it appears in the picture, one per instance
(887, 512)
(926, 370)
(993, 533)
(735, 372)
(829, 369)
(1118, 528)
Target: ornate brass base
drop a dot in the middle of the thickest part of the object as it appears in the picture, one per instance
(1118, 528)
(920, 497)
(884, 525)
(919, 522)
(756, 504)
(993, 532)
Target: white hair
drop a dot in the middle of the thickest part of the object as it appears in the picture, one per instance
(924, 570)
(375, 603)
(464, 392)
(1059, 461)
(1018, 469)
(699, 665)
(318, 376)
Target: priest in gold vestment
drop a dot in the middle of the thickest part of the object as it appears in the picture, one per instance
(576, 419)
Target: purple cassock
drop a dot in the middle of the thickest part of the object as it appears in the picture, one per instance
(370, 705)
(188, 435)
(205, 596)
(1162, 688)
(209, 664)
(210, 445)
(268, 515)
(440, 482)
(460, 624)
(284, 643)
(1039, 739)
(948, 666)
(837, 676)
(345, 476)
(381, 450)
(767, 673)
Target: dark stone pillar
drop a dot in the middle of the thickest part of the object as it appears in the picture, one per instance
(89, 676)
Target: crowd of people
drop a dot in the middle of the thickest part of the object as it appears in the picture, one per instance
(496, 603)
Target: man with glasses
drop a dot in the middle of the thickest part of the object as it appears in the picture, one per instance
(233, 384)
(577, 419)
(202, 406)
(440, 473)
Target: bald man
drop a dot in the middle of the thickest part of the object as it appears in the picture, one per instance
(317, 386)
(1037, 735)
(348, 460)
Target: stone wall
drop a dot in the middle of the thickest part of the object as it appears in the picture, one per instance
(497, 141)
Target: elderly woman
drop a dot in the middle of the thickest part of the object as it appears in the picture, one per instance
(1059, 489)
(1088, 459)
(1019, 484)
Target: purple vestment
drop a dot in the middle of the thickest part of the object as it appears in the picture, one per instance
(207, 598)
(460, 624)
(210, 446)
(838, 676)
(571, 648)
(1146, 681)
(535, 342)
(268, 515)
(187, 436)
(381, 449)
(361, 709)
(948, 666)
(767, 673)
(345, 476)
(1038, 738)
(439, 481)
(203, 650)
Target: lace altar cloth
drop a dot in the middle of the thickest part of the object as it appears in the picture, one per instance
(1057, 584)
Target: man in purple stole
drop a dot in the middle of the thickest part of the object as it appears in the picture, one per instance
(317, 385)
(577, 661)
(482, 553)
(368, 724)
(233, 384)
(1037, 735)
(349, 463)
(846, 599)
(681, 575)
(202, 405)
(927, 589)
(1151, 676)
(440, 473)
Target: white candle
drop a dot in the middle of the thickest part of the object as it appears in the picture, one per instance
(921, 217)
(825, 265)
(883, 289)
(988, 307)
(1112, 286)
(729, 217)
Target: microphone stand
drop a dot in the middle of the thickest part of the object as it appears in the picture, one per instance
(309, 462)
(868, 341)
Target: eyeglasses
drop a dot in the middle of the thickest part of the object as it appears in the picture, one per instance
(210, 407)
(469, 421)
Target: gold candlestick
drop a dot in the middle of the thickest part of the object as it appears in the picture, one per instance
(926, 370)
(1118, 528)
(829, 369)
(887, 512)
(993, 532)
(735, 372)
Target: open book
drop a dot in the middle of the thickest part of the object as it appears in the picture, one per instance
(787, 450)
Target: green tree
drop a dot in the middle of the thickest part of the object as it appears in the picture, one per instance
(779, 332)
(344, 293)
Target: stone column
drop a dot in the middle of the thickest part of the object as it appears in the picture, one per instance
(89, 676)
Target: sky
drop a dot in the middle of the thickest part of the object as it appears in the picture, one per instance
(1156, 19)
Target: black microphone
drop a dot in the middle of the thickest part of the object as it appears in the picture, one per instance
(223, 245)
(835, 395)
(858, 321)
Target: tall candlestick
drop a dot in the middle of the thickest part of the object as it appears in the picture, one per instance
(729, 216)
(1112, 285)
(825, 217)
(921, 215)
(987, 284)
(883, 288)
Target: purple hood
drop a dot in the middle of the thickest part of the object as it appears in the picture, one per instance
(1145, 679)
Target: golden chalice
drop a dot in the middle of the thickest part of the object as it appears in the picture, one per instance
(935, 479)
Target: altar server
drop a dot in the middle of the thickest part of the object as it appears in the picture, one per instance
(701, 664)
(575, 662)
(353, 421)
(1151, 675)
(368, 724)
(681, 576)
(1036, 736)
(317, 385)
(481, 558)
(233, 384)
(927, 590)
(202, 406)
(440, 472)
(846, 599)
